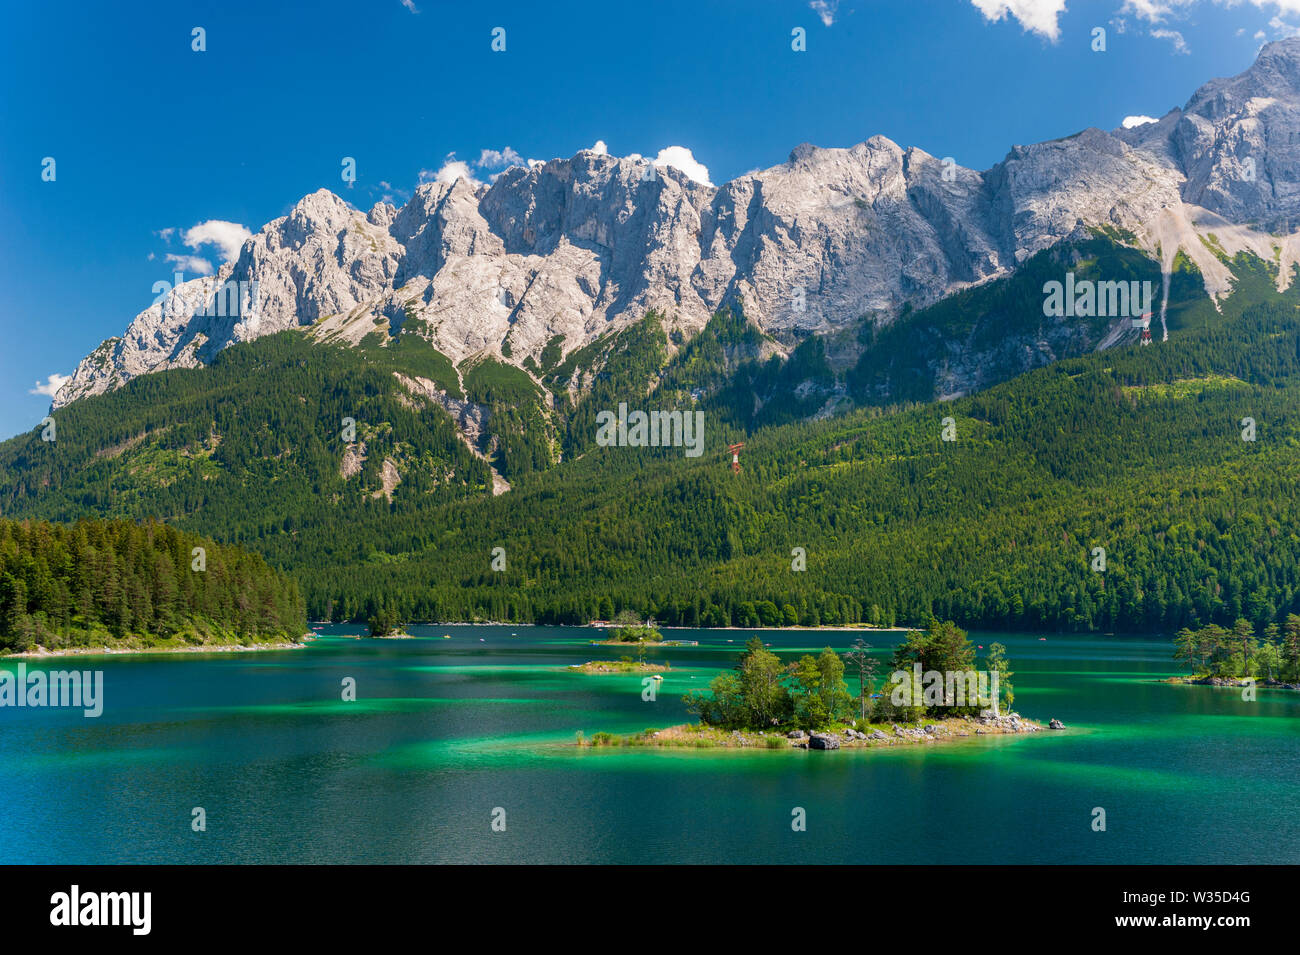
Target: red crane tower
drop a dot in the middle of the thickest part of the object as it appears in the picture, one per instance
(734, 451)
(1144, 323)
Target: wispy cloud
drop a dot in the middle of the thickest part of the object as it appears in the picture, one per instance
(410, 5)
(190, 263)
(1043, 16)
(1282, 29)
(826, 9)
(1174, 37)
(1159, 12)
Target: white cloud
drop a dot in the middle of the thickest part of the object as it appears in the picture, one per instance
(679, 157)
(825, 9)
(1153, 11)
(1180, 45)
(51, 386)
(1131, 121)
(410, 5)
(1157, 11)
(1035, 16)
(191, 263)
(600, 148)
(452, 169)
(228, 237)
(499, 158)
(1043, 16)
(1281, 28)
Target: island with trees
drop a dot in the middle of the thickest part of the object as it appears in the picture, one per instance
(1240, 656)
(767, 703)
(629, 629)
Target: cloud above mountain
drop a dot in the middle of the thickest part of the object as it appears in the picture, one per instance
(227, 237)
(223, 239)
(50, 386)
(450, 170)
(1043, 16)
(681, 158)
(190, 263)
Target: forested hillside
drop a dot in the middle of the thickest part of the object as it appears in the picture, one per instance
(1138, 451)
(1143, 453)
(118, 583)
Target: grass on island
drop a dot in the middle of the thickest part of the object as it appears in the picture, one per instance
(701, 736)
(626, 665)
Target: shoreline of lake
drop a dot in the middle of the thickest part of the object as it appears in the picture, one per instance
(41, 653)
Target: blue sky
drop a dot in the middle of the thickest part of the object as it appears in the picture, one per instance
(150, 136)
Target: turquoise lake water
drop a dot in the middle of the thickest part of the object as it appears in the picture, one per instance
(445, 731)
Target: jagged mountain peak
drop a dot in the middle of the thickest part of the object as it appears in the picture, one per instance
(557, 253)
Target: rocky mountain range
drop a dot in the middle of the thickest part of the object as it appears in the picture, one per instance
(551, 256)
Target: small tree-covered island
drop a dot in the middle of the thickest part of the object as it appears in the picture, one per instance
(1242, 656)
(934, 691)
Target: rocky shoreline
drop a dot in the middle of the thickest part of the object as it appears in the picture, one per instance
(925, 733)
(706, 737)
(1232, 681)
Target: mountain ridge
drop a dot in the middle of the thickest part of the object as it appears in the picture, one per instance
(558, 254)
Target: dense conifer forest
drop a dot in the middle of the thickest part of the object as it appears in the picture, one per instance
(119, 583)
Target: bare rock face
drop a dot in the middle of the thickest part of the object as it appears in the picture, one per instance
(1238, 142)
(578, 247)
(322, 259)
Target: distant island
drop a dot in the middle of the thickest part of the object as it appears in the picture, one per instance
(934, 693)
(627, 627)
(122, 586)
(625, 665)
